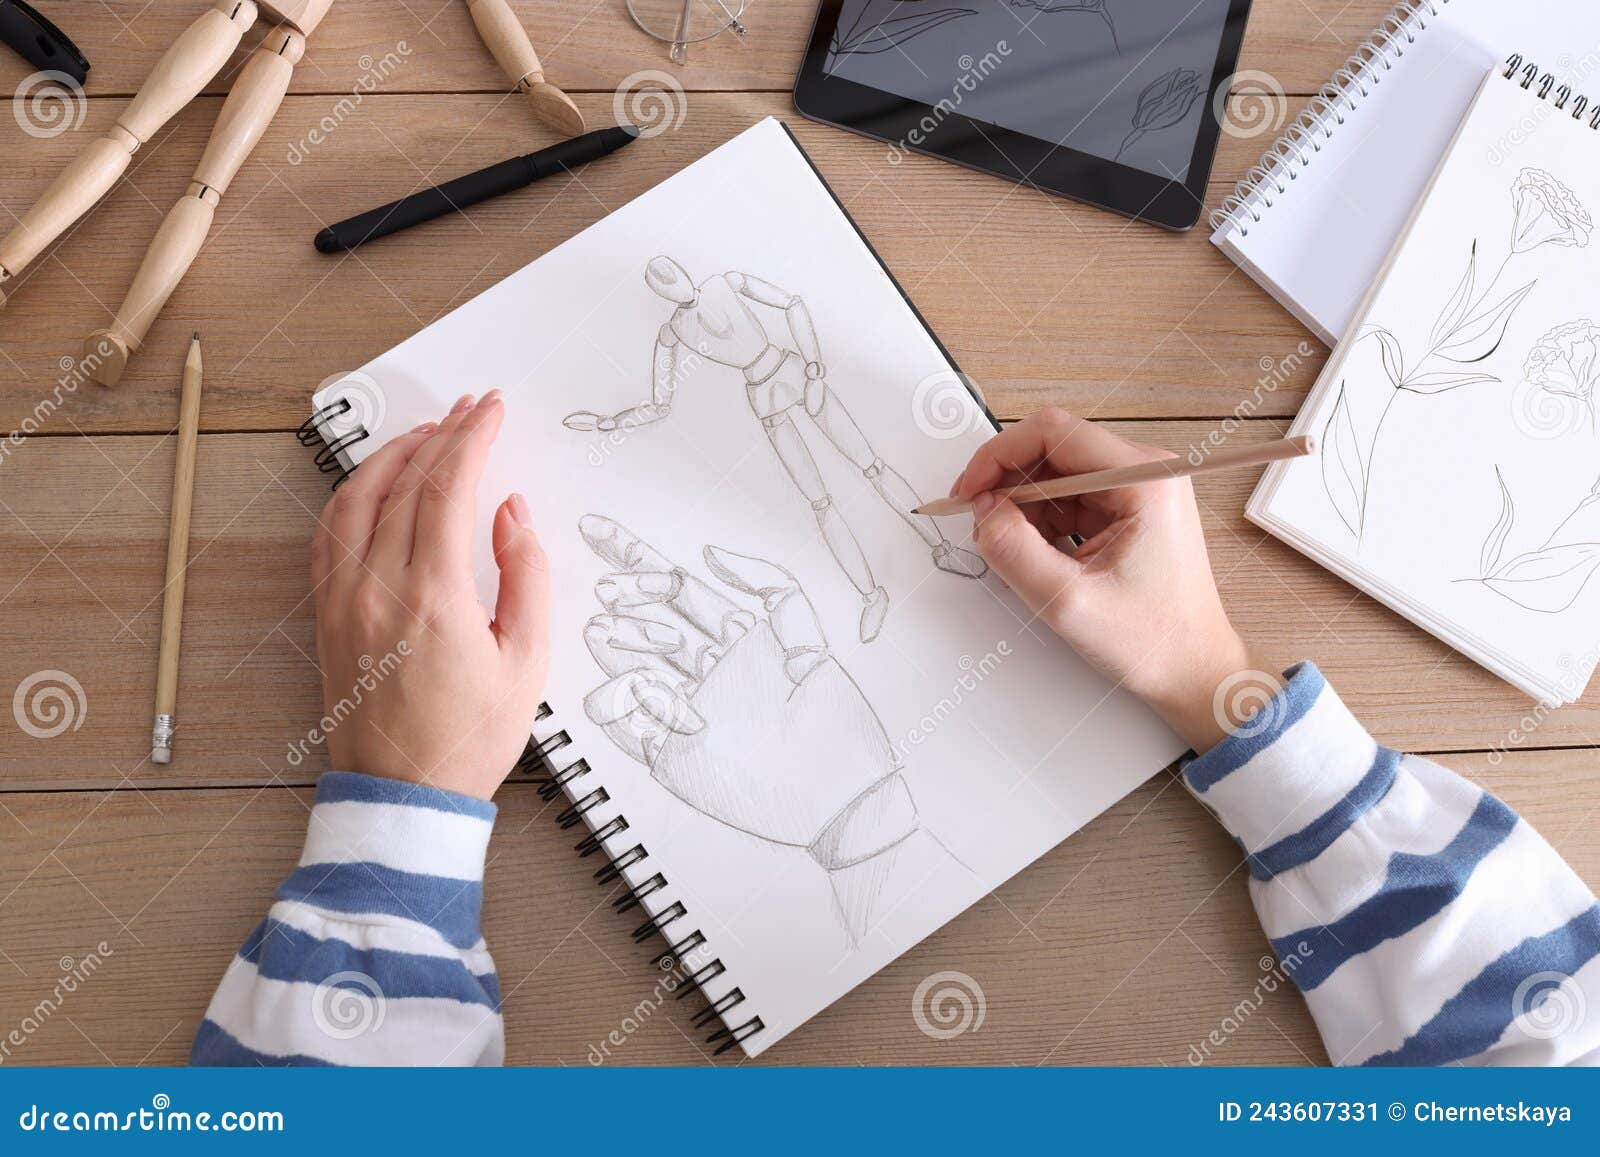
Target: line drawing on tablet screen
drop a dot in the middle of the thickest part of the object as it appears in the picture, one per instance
(1100, 8)
(903, 22)
(716, 321)
(748, 718)
(1163, 103)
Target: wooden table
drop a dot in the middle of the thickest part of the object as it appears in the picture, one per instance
(1132, 943)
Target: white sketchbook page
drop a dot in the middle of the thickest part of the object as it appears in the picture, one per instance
(1436, 521)
(1318, 247)
(1008, 743)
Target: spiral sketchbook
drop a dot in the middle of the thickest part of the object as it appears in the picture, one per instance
(1457, 477)
(795, 728)
(1315, 217)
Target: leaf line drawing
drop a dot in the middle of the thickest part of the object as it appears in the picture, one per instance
(1548, 579)
(748, 718)
(1100, 8)
(1468, 330)
(869, 37)
(891, 31)
(714, 321)
(1163, 103)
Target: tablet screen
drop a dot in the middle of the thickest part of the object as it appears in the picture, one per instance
(1126, 80)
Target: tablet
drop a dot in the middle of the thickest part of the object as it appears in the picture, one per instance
(1112, 102)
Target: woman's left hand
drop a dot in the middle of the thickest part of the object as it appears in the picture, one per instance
(419, 682)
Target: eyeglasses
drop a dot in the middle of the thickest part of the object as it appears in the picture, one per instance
(681, 23)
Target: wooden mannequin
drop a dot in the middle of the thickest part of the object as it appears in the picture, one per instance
(179, 76)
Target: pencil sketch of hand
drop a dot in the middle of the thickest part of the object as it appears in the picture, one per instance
(1550, 577)
(1466, 333)
(748, 718)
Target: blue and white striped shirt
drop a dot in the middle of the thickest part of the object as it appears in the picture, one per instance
(371, 954)
(1423, 920)
(1426, 923)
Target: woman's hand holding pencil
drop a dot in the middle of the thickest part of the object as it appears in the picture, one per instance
(1137, 598)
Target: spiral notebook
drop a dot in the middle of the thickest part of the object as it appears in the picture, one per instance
(1457, 477)
(1314, 219)
(796, 727)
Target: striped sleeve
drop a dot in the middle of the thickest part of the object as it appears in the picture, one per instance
(1425, 922)
(371, 954)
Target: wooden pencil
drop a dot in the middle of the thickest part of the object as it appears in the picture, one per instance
(1157, 471)
(177, 558)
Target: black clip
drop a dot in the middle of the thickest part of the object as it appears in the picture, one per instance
(40, 42)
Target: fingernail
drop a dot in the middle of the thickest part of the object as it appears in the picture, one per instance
(463, 404)
(983, 505)
(425, 428)
(661, 635)
(491, 396)
(521, 512)
(655, 583)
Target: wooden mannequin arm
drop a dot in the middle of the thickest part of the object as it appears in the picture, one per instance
(513, 51)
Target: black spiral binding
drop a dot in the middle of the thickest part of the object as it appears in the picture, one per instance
(1529, 75)
(553, 782)
(327, 459)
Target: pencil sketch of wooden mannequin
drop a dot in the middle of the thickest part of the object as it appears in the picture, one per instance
(714, 321)
(178, 77)
(749, 719)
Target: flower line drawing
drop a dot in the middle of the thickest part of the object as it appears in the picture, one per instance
(1164, 102)
(1548, 213)
(1548, 579)
(1467, 331)
(1566, 363)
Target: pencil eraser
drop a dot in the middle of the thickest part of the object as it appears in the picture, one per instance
(161, 755)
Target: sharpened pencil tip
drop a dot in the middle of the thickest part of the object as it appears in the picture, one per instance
(196, 336)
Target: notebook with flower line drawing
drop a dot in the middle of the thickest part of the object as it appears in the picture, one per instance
(1313, 218)
(1457, 477)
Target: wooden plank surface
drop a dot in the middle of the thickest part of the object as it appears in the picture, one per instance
(1129, 944)
(590, 46)
(82, 539)
(1039, 299)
